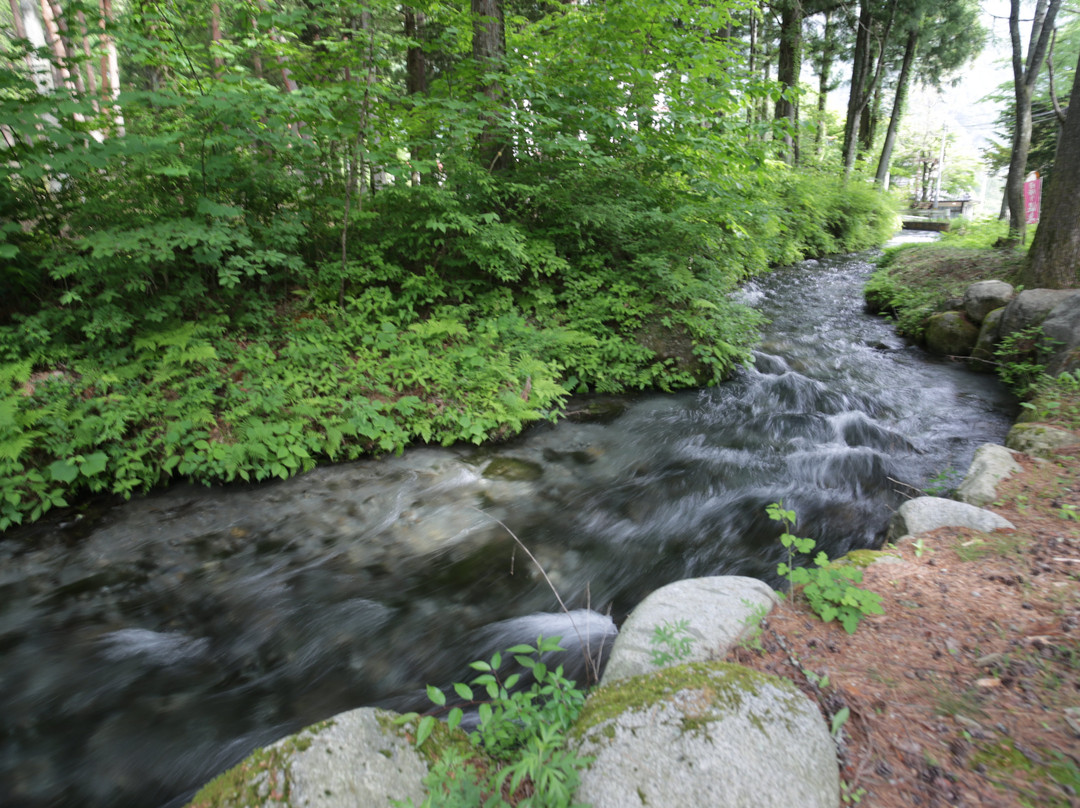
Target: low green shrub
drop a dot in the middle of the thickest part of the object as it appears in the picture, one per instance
(520, 737)
(831, 590)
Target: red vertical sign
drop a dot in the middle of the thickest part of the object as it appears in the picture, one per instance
(1032, 197)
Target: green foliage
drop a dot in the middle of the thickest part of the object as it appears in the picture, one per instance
(1055, 399)
(981, 234)
(520, 737)
(671, 642)
(944, 483)
(1022, 358)
(831, 590)
(274, 268)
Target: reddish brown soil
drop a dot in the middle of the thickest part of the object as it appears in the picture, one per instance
(958, 694)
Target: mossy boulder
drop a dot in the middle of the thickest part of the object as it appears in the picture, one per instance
(1039, 440)
(357, 759)
(950, 333)
(983, 358)
(711, 734)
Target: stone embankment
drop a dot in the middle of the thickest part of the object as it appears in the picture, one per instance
(1043, 322)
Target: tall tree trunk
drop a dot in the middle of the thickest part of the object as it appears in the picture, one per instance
(91, 78)
(489, 51)
(868, 123)
(1055, 251)
(29, 15)
(1025, 73)
(416, 82)
(898, 107)
(110, 68)
(864, 77)
(828, 51)
(215, 39)
(788, 67)
(52, 35)
(860, 69)
(354, 184)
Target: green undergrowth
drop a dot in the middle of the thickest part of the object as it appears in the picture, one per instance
(519, 740)
(463, 312)
(915, 280)
(1034, 777)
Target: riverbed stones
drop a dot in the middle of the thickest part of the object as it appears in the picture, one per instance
(923, 514)
(1031, 307)
(1039, 440)
(983, 297)
(710, 734)
(355, 759)
(1061, 330)
(950, 333)
(991, 465)
(719, 611)
(982, 355)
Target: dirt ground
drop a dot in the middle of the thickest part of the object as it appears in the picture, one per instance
(966, 692)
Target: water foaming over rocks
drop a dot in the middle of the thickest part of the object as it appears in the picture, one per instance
(148, 651)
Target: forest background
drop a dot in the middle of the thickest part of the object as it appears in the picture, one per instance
(238, 238)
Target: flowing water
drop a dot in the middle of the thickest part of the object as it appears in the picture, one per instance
(143, 653)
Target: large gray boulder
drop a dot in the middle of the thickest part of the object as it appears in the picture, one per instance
(923, 514)
(1031, 307)
(983, 297)
(707, 734)
(355, 759)
(982, 355)
(950, 333)
(1061, 330)
(1039, 440)
(719, 612)
(991, 465)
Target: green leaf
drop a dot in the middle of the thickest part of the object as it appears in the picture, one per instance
(423, 730)
(463, 690)
(839, 719)
(94, 464)
(436, 695)
(63, 471)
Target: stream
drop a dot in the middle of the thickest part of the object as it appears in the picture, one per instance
(147, 648)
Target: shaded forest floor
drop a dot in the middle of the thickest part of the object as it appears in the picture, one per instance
(966, 692)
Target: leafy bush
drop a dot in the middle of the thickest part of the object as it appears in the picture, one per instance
(520, 737)
(831, 590)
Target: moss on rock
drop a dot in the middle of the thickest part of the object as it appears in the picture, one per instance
(725, 683)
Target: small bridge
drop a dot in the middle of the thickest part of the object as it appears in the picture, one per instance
(938, 226)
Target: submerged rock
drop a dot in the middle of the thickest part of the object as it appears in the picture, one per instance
(509, 468)
(710, 734)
